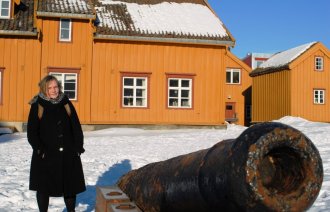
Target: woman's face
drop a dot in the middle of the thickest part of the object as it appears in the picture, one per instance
(52, 89)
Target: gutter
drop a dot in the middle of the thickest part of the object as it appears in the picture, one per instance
(164, 40)
(15, 32)
(65, 15)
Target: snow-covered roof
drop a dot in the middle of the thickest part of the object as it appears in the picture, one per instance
(159, 18)
(281, 60)
(66, 8)
(285, 57)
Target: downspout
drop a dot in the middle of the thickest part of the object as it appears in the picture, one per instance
(91, 21)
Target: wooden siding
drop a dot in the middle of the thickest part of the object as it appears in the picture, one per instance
(76, 54)
(305, 79)
(238, 93)
(112, 58)
(271, 96)
(20, 58)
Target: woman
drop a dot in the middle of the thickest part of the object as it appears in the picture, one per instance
(56, 137)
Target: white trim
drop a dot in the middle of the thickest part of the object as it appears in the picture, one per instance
(3, 16)
(179, 90)
(135, 87)
(70, 30)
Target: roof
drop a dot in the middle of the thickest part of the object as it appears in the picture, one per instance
(22, 22)
(66, 8)
(281, 61)
(180, 19)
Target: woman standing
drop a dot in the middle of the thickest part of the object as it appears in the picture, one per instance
(56, 137)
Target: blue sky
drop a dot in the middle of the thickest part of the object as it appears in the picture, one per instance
(270, 26)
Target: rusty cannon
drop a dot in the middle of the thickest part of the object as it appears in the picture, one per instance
(269, 167)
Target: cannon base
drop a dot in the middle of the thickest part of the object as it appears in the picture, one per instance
(113, 199)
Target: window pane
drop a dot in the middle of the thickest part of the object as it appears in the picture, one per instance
(185, 103)
(228, 77)
(140, 102)
(140, 82)
(70, 94)
(185, 93)
(235, 77)
(5, 4)
(128, 92)
(174, 83)
(4, 12)
(128, 101)
(128, 81)
(65, 23)
(185, 83)
(173, 102)
(70, 78)
(65, 34)
(229, 107)
(69, 86)
(140, 92)
(174, 93)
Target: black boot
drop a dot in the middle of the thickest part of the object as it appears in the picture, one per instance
(70, 203)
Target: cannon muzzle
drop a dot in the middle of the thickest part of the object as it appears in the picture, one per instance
(269, 167)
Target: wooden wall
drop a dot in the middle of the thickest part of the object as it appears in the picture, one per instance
(112, 58)
(74, 54)
(271, 96)
(238, 93)
(305, 79)
(20, 58)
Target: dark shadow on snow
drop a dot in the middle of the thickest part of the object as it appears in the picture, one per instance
(109, 177)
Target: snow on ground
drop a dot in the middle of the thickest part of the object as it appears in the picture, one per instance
(112, 152)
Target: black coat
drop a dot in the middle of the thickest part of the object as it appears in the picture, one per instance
(58, 173)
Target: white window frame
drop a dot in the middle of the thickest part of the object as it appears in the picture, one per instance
(69, 29)
(319, 63)
(61, 77)
(133, 100)
(179, 90)
(319, 96)
(8, 9)
(231, 71)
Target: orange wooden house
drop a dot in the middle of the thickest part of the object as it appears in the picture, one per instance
(295, 82)
(159, 62)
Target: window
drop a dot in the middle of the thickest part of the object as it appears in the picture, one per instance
(233, 76)
(4, 8)
(179, 93)
(68, 82)
(319, 63)
(65, 30)
(135, 91)
(259, 62)
(319, 97)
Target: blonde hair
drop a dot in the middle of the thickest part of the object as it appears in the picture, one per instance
(43, 84)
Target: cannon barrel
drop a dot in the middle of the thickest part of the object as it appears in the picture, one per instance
(269, 167)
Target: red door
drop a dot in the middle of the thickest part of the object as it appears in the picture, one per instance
(230, 113)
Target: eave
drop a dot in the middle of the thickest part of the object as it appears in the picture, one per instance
(164, 40)
(19, 33)
(262, 71)
(65, 15)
